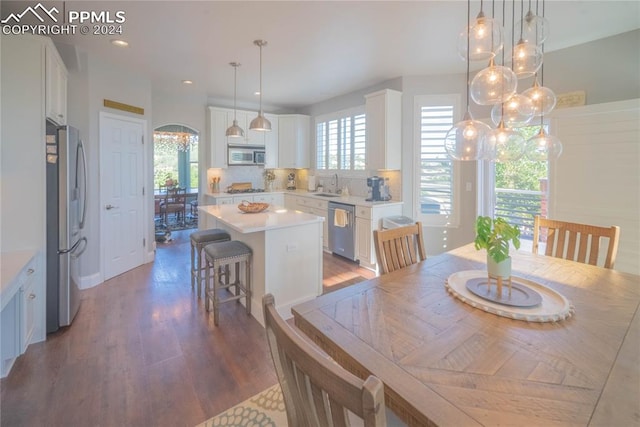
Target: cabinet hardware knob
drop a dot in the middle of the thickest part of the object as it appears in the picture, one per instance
(32, 296)
(30, 271)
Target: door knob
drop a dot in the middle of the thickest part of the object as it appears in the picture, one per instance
(109, 207)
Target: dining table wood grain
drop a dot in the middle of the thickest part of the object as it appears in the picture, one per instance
(444, 362)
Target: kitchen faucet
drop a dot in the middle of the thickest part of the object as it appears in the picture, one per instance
(337, 188)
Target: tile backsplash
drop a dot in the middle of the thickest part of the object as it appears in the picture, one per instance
(254, 174)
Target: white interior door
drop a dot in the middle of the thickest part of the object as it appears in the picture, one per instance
(122, 201)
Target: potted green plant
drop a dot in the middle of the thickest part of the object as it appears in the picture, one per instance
(494, 235)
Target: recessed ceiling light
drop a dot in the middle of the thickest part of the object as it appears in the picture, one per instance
(120, 43)
(256, 93)
(187, 82)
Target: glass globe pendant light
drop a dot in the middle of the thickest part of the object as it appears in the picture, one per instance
(464, 141)
(260, 123)
(516, 111)
(527, 59)
(504, 144)
(482, 40)
(495, 84)
(543, 147)
(234, 130)
(535, 28)
(543, 99)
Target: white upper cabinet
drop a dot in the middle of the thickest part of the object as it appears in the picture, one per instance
(221, 118)
(251, 137)
(56, 86)
(293, 139)
(384, 129)
(218, 120)
(271, 143)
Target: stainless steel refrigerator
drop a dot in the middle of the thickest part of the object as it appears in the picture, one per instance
(66, 213)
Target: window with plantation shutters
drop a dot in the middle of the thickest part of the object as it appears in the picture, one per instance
(436, 190)
(340, 140)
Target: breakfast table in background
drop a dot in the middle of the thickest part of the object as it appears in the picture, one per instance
(445, 362)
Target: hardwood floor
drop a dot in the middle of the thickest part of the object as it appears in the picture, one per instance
(142, 351)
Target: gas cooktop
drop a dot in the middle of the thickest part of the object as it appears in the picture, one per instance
(247, 190)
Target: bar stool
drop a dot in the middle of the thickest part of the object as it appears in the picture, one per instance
(200, 239)
(222, 255)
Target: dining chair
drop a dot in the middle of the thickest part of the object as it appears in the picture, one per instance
(574, 241)
(314, 387)
(398, 248)
(175, 202)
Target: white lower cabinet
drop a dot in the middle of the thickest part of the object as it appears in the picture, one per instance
(274, 199)
(290, 201)
(367, 220)
(363, 240)
(29, 305)
(22, 302)
(325, 225)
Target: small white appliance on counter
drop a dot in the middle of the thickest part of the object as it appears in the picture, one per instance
(311, 185)
(396, 221)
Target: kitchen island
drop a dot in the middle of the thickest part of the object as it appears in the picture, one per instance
(287, 252)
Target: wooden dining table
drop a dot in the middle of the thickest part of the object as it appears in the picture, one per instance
(444, 362)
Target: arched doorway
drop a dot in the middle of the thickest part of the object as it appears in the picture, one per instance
(175, 178)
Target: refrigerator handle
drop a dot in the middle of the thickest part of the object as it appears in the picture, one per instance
(84, 176)
(74, 247)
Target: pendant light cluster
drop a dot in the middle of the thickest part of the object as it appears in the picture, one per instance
(260, 123)
(497, 85)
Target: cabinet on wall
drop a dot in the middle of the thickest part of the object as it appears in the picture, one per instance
(221, 118)
(56, 86)
(384, 129)
(293, 139)
(272, 143)
(218, 120)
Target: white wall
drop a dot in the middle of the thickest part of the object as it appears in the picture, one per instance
(95, 81)
(597, 179)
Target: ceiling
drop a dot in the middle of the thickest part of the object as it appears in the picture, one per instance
(316, 50)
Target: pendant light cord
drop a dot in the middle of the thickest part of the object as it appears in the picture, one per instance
(235, 87)
(468, 38)
(260, 78)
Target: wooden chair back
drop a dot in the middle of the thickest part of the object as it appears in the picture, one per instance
(398, 248)
(314, 387)
(575, 242)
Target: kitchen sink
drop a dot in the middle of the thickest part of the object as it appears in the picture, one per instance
(326, 195)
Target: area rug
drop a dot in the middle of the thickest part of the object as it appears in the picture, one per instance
(265, 409)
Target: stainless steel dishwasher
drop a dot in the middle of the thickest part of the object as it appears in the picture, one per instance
(342, 229)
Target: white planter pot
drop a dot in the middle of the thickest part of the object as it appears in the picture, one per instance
(501, 269)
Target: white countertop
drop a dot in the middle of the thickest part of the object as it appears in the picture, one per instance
(273, 218)
(11, 265)
(352, 200)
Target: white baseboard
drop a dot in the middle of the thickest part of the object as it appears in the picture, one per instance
(86, 282)
(90, 281)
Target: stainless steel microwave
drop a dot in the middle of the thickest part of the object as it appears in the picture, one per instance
(245, 155)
